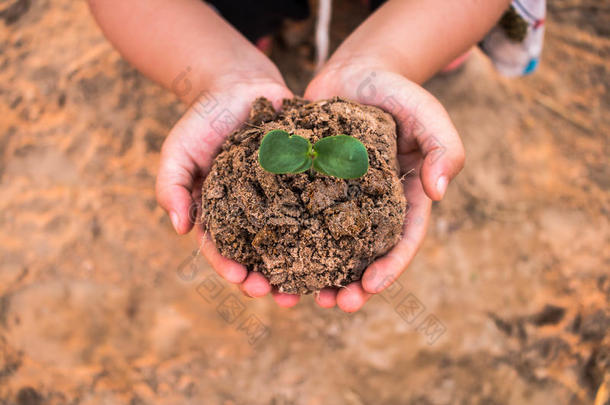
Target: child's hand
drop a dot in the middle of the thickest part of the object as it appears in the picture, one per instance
(226, 73)
(430, 154)
(162, 38)
(371, 66)
(186, 158)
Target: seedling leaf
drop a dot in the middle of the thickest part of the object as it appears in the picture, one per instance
(282, 153)
(341, 156)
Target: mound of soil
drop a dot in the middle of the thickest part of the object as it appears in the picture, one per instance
(306, 231)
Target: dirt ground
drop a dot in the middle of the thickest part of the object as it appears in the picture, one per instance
(508, 301)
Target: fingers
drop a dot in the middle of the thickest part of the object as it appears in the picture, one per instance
(183, 156)
(387, 269)
(173, 187)
(176, 200)
(255, 285)
(252, 284)
(423, 123)
(326, 297)
(285, 300)
(193, 142)
(228, 269)
(352, 297)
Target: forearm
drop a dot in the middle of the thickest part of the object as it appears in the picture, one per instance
(418, 38)
(164, 39)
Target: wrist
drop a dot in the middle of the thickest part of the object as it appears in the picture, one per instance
(353, 63)
(340, 73)
(231, 96)
(248, 76)
(217, 76)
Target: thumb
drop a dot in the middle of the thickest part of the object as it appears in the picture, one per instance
(183, 154)
(423, 123)
(186, 154)
(441, 147)
(174, 189)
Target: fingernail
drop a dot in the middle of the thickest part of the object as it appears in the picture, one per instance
(175, 220)
(441, 185)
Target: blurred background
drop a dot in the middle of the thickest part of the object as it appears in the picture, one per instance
(508, 301)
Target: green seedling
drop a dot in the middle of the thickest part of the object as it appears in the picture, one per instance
(341, 156)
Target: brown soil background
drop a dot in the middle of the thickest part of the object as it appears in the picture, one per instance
(96, 306)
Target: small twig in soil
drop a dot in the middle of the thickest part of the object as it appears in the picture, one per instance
(253, 126)
(404, 176)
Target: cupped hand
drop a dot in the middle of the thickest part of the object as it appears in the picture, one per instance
(430, 154)
(186, 158)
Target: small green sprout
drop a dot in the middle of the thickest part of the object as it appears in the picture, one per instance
(340, 156)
